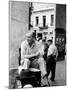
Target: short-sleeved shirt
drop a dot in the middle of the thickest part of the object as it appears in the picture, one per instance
(52, 50)
(27, 50)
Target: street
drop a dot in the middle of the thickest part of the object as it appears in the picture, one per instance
(60, 78)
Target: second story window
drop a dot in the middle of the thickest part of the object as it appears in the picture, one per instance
(44, 21)
(52, 20)
(37, 21)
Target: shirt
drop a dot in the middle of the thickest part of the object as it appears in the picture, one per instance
(52, 50)
(27, 50)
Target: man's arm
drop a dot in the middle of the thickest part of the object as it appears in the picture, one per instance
(41, 50)
(50, 51)
(30, 56)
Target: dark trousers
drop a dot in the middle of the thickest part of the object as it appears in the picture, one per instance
(50, 67)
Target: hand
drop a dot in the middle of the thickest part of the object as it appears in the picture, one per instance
(38, 55)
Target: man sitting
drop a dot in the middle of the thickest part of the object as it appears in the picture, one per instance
(31, 51)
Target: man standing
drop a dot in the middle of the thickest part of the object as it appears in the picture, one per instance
(30, 51)
(51, 60)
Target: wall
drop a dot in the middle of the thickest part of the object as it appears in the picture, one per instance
(19, 20)
(40, 6)
(42, 13)
(61, 16)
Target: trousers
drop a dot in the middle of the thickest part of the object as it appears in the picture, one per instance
(25, 64)
(50, 67)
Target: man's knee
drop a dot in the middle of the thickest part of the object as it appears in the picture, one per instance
(25, 61)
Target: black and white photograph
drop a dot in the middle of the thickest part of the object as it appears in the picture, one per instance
(37, 44)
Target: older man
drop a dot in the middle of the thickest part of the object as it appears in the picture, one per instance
(30, 51)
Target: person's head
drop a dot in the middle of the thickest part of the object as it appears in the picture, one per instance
(43, 40)
(30, 37)
(49, 42)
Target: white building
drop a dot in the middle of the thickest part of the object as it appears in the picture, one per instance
(43, 19)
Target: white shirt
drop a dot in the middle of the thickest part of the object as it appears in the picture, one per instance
(52, 50)
(27, 50)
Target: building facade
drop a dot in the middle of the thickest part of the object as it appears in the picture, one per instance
(47, 17)
(60, 29)
(43, 20)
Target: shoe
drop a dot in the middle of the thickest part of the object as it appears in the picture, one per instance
(52, 80)
(45, 76)
(45, 82)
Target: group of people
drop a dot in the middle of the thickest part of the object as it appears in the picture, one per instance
(41, 52)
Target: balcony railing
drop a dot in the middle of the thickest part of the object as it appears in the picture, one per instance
(43, 27)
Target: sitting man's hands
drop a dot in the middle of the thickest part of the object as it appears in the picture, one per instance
(35, 57)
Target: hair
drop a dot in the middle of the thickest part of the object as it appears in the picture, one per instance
(50, 41)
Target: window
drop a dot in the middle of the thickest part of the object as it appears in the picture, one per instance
(37, 21)
(44, 21)
(51, 32)
(52, 20)
(45, 33)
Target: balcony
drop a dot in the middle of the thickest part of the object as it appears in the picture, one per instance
(43, 27)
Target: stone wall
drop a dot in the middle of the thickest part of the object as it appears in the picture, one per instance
(18, 22)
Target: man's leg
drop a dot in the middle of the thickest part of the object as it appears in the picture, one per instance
(24, 65)
(53, 70)
(44, 79)
(42, 66)
(48, 68)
